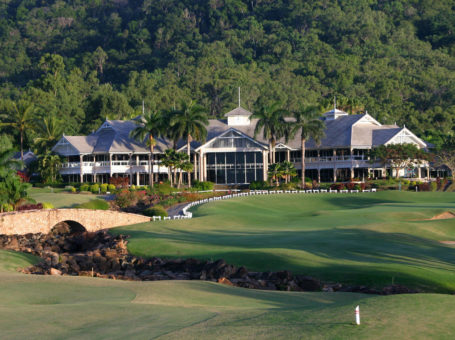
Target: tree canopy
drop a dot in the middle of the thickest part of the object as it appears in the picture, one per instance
(83, 61)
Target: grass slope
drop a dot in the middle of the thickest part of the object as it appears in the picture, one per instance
(373, 239)
(48, 307)
(60, 198)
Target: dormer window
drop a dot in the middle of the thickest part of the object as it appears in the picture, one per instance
(239, 117)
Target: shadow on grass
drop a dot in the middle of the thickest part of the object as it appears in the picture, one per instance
(350, 256)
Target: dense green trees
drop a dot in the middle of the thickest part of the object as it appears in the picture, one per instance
(83, 61)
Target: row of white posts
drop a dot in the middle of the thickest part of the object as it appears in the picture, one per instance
(188, 214)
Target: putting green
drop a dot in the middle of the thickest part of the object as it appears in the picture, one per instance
(371, 239)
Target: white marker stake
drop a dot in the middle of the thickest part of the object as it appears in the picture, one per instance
(357, 315)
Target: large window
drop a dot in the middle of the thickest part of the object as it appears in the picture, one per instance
(234, 167)
(233, 140)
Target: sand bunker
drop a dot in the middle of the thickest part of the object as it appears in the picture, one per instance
(444, 216)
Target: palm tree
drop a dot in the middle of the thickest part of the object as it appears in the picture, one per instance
(169, 160)
(188, 167)
(149, 125)
(275, 173)
(7, 163)
(180, 159)
(20, 118)
(189, 122)
(287, 170)
(311, 126)
(271, 121)
(49, 130)
(48, 166)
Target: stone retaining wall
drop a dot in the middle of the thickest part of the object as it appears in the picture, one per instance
(42, 221)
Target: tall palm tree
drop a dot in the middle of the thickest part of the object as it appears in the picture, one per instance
(271, 122)
(20, 117)
(189, 122)
(150, 126)
(311, 126)
(49, 130)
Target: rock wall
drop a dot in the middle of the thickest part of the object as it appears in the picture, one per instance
(42, 221)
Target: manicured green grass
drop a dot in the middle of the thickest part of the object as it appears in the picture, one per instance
(98, 204)
(48, 307)
(370, 239)
(60, 198)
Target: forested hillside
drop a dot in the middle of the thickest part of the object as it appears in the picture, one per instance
(80, 61)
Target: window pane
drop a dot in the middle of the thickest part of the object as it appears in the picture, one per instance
(230, 175)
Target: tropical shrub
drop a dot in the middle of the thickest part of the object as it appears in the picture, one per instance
(47, 205)
(111, 188)
(350, 186)
(156, 210)
(125, 198)
(103, 188)
(119, 182)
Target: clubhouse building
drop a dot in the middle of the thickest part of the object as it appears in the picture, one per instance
(232, 155)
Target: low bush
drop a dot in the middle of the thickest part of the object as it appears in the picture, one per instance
(85, 187)
(95, 188)
(37, 206)
(103, 188)
(47, 205)
(111, 188)
(202, 186)
(70, 188)
(433, 186)
(259, 185)
(156, 210)
(6, 207)
(97, 204)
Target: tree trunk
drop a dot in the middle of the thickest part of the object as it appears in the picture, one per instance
(22, 148)
(273, 150)
(175, 175)
(303, 162)
(188, 141)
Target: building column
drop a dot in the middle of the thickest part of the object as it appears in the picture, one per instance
(352, 172)
(110, 165)
(204, 164)
(130, 163)
(319, 175)
(201, 157)
(265, 165)
(195, 170)
(81, 157)
(419, 172)
(334, 174)
(94, 169)
(288, 155)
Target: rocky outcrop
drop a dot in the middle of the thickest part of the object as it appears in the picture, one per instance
(100, 254)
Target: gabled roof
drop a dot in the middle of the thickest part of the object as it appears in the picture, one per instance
(238, 111)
